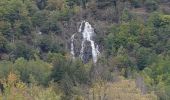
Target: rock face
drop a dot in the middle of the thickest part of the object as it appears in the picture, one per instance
(83, 44)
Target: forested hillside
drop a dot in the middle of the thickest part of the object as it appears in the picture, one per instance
(84, 49)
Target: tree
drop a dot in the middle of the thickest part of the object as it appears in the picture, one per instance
(144, 57)
(151, 5)
(82, 3)
(75, 70)
(41, 4)
(120, 90)
(22, 49)
(69, 74)
(56, 5)
(15, 89)
(5, 68)
(157, 77)
(3, 44)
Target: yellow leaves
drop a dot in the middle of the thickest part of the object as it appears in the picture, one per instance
(56, 4)
(12, 78)
(165, 19)
(40, 93)
(79, 98)
(14, 89)
(13, 81)
(10, 6)
(17, 90)
(120, 90)
(21, 85)
(77, 9)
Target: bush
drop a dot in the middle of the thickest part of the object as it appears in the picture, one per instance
(5, 68)
(74, 70)
(68, 74)
(56, 5)
(119, 90)
(39, 18)
(136, 3)
(22, 49)
(151, 5)
(71, 3)
(15, 89)
(37, 70)
(41, 4)
(29, 71)
(158, 75)
(3, 44)
(144, 57)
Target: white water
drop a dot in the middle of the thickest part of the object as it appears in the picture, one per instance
(81, 25)
(72, 46)
(39, 32)
(82, 43)
(88, 33)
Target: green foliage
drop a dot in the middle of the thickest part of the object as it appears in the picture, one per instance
(129, 44)
(12, 10)
(136, 3)
(37, 69)
(71, 3)
(3, 44)
(144, 57)
(142, 42)
(69, 74)
(75, 71)
(151, 5)
(17, 90)
(157, 77)
(120, 90)
(126, 15)
(41, 4)
(5, 28)
(126, 35)
(39, 18)
(22, 49)
(5, 67)
(50, 44)
(158, 20)
(40, 93)
(160, 27)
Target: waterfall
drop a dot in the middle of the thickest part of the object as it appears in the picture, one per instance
(39, 32)
(87, 32)
(81, 26)
(72, 46)
(83, 41)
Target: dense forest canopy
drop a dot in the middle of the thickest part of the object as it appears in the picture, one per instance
(131, 37)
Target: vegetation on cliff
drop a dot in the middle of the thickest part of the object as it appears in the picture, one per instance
(133, 38)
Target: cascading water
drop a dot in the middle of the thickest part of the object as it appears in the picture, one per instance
(72, 46)
(39, 32)
(81, 26)
(88, 32)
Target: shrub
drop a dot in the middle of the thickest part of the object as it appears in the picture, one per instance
(5, 68)
(22, 49)
(151, 5)
(120, 90)
(36, 69)
(136, 3)
(3, 44)
(157, 77)
(15, 89)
